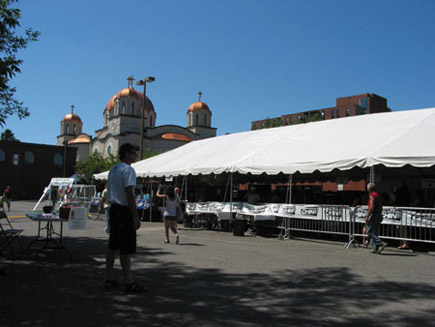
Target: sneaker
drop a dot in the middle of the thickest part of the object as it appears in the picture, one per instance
(374, 251)
(382, 247)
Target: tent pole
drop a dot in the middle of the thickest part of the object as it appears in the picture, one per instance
(372, 174)
(231, 195)
(226, 188)
(185, 188)
(150, 194)
(289, 189)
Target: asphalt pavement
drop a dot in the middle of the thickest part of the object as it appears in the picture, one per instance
(214, 279)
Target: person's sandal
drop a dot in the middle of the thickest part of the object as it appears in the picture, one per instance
(134, 288)
(111, 284)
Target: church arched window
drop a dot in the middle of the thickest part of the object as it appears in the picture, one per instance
(109, 149)
(123, 109)
(196, 120)
(67, 129)
(74, 129)
(151, 121)
(132, 109)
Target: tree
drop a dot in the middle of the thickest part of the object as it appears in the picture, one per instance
(148, 153)
(277, 122)
(7, 135)
(95, 164)
(314, 117)
(267, 123)
(10, 43)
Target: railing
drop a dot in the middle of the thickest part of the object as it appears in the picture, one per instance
(399, 223)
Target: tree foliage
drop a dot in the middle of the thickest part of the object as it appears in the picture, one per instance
(148, 153)
(7, 135)
(97, 164)
(10, 43)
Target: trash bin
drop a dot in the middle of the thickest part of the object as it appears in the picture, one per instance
(239, 226)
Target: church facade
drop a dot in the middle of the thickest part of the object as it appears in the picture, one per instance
(122, 123)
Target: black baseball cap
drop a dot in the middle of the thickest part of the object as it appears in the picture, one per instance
(126, 147)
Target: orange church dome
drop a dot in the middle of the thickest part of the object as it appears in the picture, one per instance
(129, 92)
(199, 105)
(72, 117)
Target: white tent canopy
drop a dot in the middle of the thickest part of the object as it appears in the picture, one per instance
(394, 139)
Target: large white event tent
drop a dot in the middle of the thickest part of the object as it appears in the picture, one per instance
(392, 139)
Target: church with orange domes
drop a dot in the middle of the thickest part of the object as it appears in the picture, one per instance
(122, 123)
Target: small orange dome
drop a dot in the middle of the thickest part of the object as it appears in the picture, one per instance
(83, 138)
(129, 92)
(198, 106)
(72, 117)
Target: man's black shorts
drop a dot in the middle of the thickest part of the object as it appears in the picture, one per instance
(122, 233)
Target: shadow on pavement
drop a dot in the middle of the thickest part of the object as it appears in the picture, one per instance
(52, 291)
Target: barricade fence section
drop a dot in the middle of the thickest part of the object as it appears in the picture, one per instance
(400, 223)
(328, 219)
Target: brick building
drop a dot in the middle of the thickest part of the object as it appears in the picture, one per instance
(29, 167)
(354, 105)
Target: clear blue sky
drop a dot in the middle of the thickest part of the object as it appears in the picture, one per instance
(252, 59)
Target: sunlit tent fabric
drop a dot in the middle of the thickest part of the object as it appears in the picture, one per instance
(393, 139)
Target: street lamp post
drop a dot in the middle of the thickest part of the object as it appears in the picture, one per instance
(143, 82)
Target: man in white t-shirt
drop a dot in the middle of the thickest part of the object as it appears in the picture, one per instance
(123, 219)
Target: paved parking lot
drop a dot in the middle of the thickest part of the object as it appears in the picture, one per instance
(216, 279)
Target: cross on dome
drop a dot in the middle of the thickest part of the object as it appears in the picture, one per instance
(72, 108)
(199, 94)
(130, 80)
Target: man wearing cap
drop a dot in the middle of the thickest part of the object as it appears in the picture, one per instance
(123, 218)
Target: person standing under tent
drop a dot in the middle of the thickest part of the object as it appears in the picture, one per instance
(170, 215)
(105, 204)
(374, 218)
(123, 219)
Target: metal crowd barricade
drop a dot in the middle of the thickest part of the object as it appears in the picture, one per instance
(399, 223)
(328, 219)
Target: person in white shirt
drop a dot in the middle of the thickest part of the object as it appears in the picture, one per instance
(123, 219)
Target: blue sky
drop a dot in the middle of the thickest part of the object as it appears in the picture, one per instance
(252, 59)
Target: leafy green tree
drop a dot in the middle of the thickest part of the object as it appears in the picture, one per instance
(10, 43)
(267, 123)
(314, 117)
(7, 135)
(277, 122)
(94, 165)
(97, 164)
(148, 153)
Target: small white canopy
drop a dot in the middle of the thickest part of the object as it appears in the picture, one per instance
(393, 139)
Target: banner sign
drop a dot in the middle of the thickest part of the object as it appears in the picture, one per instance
(391, 215)
(271, 210)
(401, 216)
